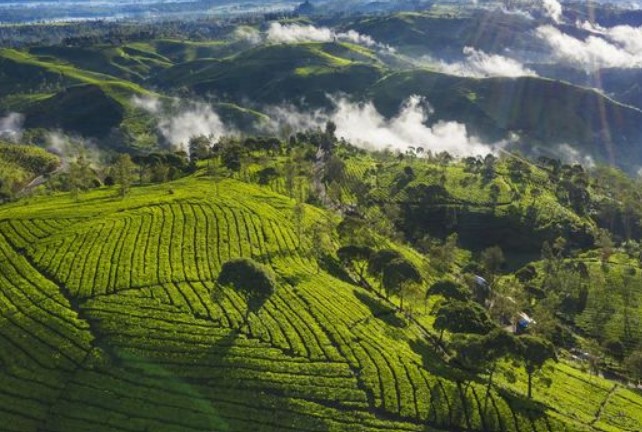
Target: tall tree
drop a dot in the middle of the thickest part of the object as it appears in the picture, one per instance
(399, 276)
(535, 352)
(462, 317)
(199, 147)
(124, 173)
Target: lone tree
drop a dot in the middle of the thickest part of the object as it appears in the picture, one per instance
(252, 280)
(124, 173)
(535, 352)
(79, 176)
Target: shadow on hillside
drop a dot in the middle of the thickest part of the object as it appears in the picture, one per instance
(334, 268)
(433, 362)
(380, 310)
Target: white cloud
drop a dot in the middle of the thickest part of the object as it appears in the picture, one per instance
(11, 127)
(182, 121)
(553, 10)
(147, 103)
(193, 120)
(362, 125)
(479, 64)
(248, 34)
(571, 155)
(627, 37)
(296, 33)
(617, 47)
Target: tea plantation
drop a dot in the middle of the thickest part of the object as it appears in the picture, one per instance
(112, 320)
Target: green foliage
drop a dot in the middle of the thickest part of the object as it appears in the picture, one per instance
(398, 276)
(199, 147)
(355, 257)
(231, 157)
(250, 279)
(535, 352)
(450, 290)
(380, 259)
(123, 173)
(463, 317)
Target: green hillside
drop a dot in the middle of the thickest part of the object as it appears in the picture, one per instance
(19, 164)
(543, 112)
(277, 73)
(446, 32)
(113, 319)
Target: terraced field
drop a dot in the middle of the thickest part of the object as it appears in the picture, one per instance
(112, 320)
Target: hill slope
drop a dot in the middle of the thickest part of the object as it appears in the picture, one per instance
(112, 320)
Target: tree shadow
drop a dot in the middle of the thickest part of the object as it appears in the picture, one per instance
(381, 310)
(433, 362)
(331, 266)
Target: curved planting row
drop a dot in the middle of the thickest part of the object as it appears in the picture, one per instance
(24, 232)
(393, 374)
(42, 342)
(159, 245)
(222, 366)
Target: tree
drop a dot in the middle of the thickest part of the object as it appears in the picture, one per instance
(321, 240)
(482, 354)
(379, 260)
(298, 214)
(398, 276)
(79, 175)
(355, 258)
(231, 157)
(442, 256)
(605, 243)
(450, 290)
(290, 171)
(266, 175)
(252, 280)
(356, 231)
(123, 173)
(535, 352)
(335, 170)
(199, 147)
(492, 259)
(462, 317)
(633, 365)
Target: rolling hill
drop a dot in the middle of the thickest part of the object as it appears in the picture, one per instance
(273, 74)
(543, 112)
(113, 319)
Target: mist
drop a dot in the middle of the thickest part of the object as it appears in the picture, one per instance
(362, 125)
(69, 147)
(553, 9)
(617, 47)
(11, 127)
(479, 64)
(296, 33)
(571, 155)
(179, 121)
